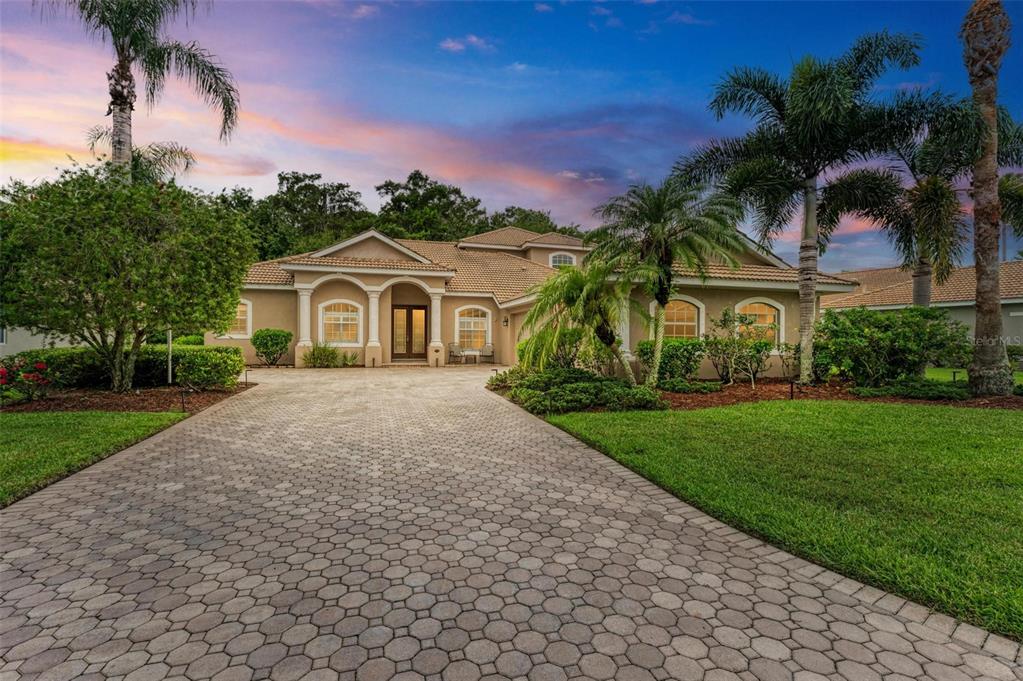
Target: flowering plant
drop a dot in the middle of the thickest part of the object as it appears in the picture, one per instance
(33, 380)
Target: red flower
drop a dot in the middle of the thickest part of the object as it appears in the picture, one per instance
(3, 372)
(41, 366)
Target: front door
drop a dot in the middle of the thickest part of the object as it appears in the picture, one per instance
(408, 332)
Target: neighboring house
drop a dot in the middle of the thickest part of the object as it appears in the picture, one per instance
(957, 295)
(15, 340)
(405, 301)
(869, 280)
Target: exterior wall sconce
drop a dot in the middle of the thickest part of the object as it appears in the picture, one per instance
(504, 322)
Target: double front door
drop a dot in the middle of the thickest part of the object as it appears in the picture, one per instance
(408, 332)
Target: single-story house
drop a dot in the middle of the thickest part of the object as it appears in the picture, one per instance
(14, 340)
(892, 289)
(397, 301)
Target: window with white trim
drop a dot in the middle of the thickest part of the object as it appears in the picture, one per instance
(241, 326)
(473, 327)
(768, 318)
(341, 323)
(681, 319)
(562, 259)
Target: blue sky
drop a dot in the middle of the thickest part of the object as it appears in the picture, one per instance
(549, 105)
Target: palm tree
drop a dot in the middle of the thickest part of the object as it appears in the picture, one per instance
(588, 298)
(648, 232)
(809, 126)
(154, 162)
(985, 35)
(135, 29)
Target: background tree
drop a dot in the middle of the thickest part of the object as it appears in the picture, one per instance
(538, 221)
(422, 208)
(807, 127)
(985, 35)
(107, 263)
(648, 231)
(135, 30)
(586, 298)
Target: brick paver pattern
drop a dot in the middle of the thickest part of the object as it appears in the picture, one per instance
(407, 524)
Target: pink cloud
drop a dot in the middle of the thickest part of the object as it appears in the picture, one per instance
(365, 11)
(470, 40)
(452, 45)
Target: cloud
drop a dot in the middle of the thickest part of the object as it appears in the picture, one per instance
(518, 67)
(365, 11)
(687, 19)
(543, 7)
(458, 45)
(599, 11)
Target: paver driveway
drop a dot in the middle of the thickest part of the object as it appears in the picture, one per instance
(407, 524)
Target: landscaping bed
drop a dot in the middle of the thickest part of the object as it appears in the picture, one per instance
(777, 389)
(919, 500)
(142, 400)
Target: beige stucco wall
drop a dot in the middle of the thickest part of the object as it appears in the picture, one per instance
(17, 340)
(543, 254)
(277, 309)
(372, 248)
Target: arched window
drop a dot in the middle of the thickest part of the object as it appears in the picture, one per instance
(472, 327)
(241, 326)
(681, 319)
(768, 315)
(341, 323)
(560, 259)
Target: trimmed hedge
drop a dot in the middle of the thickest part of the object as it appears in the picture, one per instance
(271, 344)
(80, 367)
(680, 357)
(678, 385)
(917, 389)
(561, 390)
(208, 370)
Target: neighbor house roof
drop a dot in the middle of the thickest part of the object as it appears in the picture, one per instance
(872, 279)
(961, 287)
(756, 273)
(516, 237)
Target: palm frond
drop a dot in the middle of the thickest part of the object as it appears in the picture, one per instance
(1010, 192)
(938, 219)
(769, 190)
(752, 91)
(868, 193)
(873, 54)
(713, 160)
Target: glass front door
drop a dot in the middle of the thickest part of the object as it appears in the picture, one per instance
(408, 332)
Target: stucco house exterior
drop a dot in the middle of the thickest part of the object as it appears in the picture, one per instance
(892, 289)
(402, 301)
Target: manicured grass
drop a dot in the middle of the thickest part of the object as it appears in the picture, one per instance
(944, 374)
(924, 501)
(37, 448)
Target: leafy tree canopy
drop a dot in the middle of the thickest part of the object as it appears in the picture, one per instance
(423, 208)
(107, 263)
(538, 221)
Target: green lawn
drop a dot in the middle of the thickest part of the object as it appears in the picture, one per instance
(922, 500)
(37, 448)
(943, 374)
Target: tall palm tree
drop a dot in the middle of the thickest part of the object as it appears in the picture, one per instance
(809, 126)
(154, 162)
(649, 231)
(135, 30)
(589, 298)
(985, 35)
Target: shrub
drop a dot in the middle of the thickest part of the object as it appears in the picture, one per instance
(874, 348)
(1018, 391)
(207, 370)
(322, 356)
(680, 357)
(347, 359)
(507, 379)
(602, 393)
(1015, 353)
(189, 339)
(753, 358)
(552, 378)
(32, 380)
(737, 348)
(678, 385)
(550, 348)
(271, 344)
(917, 389)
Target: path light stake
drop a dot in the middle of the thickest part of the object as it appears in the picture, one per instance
(792, 389)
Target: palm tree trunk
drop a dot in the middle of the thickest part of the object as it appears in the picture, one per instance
(655, 365)
(986, 37)
(922, 283)
(624, 361)
(122, 101)
(808, 250)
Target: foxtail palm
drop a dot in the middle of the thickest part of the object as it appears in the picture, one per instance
(809, 126)
(648, 232)
(154, 162)
(135, 30)
(985, 35)
(588, 298)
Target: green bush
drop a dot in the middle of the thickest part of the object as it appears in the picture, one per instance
(680, 357)
(550, 349)
(1015, 353)
(606, 394)
(552, 378)
(208, 370)
(917, 389)
(1018, 391)
(271, 344)
(678, 385)
(322, 356)
(507, 379)
(874, 348)
(189, 339)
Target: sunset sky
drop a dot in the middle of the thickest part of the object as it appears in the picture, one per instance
(547, 105)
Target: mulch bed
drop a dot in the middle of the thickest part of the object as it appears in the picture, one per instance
(780, 390)
(144, 399)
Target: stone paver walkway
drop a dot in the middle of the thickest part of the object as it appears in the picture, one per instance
(406, 524)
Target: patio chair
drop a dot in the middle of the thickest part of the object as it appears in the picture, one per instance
(455, 354)
(487, 354)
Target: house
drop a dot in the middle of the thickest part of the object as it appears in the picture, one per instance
(395, 301)
(15, 340)
(957, 295)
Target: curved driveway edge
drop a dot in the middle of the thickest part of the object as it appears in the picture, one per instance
(407, 524)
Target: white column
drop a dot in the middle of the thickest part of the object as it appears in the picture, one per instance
(374, 319)
(435, 337)
(624, 313)
(305, 322)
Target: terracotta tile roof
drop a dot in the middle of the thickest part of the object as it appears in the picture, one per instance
(757, 273)
(960, 287)
(363, 263)
(268, 272)
(505, 275)
(506, 236)
(554, 239)
(872, 279)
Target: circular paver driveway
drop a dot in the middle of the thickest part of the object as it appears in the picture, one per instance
(406, 524)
